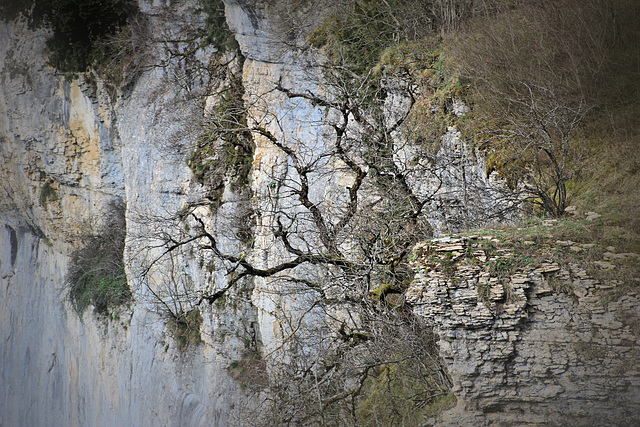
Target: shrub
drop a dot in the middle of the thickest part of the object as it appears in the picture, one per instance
(186, 328)
(48, 193)
(397, 394)
(218, 33)
(78, 27)
(250, 371)
(96, 273)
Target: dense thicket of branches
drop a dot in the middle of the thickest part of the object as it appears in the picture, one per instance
(78, 28)
(392, 376)
(537, 69)
(96, 273)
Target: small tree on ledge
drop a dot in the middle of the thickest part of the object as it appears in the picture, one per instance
(539, 134)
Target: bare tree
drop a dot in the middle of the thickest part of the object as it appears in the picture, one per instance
(542, 134)
(335, 252)
(381, 226)
(339, 214)
(555, 54)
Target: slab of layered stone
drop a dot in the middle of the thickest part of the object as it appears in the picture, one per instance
(519, 351)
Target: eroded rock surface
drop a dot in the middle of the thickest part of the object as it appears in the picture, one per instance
(530, 343)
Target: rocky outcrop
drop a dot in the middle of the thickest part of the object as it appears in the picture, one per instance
(466, 196)
(526, 342)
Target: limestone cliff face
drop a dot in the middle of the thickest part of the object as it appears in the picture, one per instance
(520, 350)
(70, 148)
(270, 36)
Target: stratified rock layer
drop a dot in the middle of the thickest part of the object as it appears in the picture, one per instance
(519, 351)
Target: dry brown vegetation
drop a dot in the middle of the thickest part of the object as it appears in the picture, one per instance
(584, 57)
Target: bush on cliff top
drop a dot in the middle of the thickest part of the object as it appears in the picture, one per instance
(78, 29)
